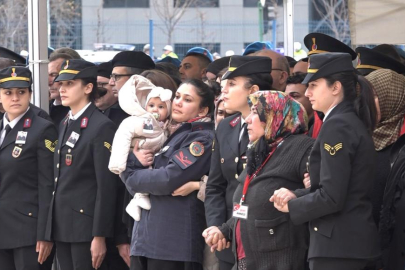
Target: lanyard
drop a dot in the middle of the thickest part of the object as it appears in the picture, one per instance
(250, 178)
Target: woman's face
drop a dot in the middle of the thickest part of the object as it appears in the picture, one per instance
(73, 93)
(322, 96)
(15, 101)
(254, 126)
(220, 113)
(186, 104)
(235, 94)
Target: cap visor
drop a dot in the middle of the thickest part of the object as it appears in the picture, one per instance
(226, 75)
(307, 78)
(17, 84)
(65, 77)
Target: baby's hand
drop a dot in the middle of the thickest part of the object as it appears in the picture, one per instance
(144, 156)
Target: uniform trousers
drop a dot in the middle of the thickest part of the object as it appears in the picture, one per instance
(23, 258)
(75, 256)
(339, 264)
(144, 263)
(113, 258)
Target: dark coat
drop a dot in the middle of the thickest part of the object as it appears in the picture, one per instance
(115, 114)
(338, 206)
(83, 205)
(227, 163)
(392, 222)
(269, 238)
(40, 112)
(26, 183)
(57, 113)
(172, 229)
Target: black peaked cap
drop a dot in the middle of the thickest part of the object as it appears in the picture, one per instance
(15, 76)
(325, 64)
(321, 43)
(6, 53)
(247, 65)
(370, 60)
(218, 65)
(76, 69)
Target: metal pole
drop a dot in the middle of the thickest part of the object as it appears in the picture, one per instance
(151, 38)
(260, 8)
(38, 51)
(274, 34)
(289, 27)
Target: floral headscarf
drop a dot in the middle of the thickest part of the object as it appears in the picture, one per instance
(283, 117)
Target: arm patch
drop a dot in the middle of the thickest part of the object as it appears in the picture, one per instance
(184, 158)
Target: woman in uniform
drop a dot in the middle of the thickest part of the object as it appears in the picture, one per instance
(338, 207)
(168, 236)
(245, 75)
(82, 210)
(26, 177)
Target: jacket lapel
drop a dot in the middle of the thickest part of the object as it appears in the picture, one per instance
(12, 135)
(233, 141)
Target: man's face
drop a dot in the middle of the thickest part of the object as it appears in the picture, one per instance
(109, 98)
(190, 69)
(297, 92)
(53, 72)
(120, 80)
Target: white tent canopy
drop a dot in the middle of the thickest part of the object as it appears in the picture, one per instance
(377, 21)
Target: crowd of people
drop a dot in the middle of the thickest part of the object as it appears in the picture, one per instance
(253, 161)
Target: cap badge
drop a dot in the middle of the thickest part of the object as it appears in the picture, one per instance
(13, 74)
(314, 46)
(67, 64)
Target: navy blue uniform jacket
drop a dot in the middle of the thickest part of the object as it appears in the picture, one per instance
(172, 228)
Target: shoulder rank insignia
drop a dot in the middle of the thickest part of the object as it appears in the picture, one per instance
(196, 149)
(333, 149)
(51, 145)
(108, 146)
(235, 121)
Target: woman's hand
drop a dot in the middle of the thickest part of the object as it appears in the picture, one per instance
(124, 251)
(280, 198)
(187, 188)
(144, 156)
(43, 248)
(307, 180)
(98, 250)
(215, 239)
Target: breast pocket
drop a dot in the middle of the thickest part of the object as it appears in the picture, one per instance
(273, 234)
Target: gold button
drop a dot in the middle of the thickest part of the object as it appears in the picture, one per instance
(30, 214)
(315, 229)
(57, 165)
(56, 179)
(69, 150)
(222, 160)
(236, 175)
(58, 151)
(53, 193)
(271, 231)
(81, 211)
(236, 160)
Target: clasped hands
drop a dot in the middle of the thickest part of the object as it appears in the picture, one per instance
(215, 239)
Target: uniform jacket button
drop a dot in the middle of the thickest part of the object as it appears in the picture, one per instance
(236, 175)
(70, 150)
(222, 160)
(30, 214)
(271, 231)
(58, 151)
(53, 192)
(81, 211)
(57, 165)
(56, 179)
(236, 160)
(315, 229)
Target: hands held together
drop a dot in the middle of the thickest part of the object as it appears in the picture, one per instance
(215, 239)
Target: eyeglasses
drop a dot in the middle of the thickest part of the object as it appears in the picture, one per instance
(116, 77)
(101, 85)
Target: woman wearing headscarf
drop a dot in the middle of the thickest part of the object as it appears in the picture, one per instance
(389, 88)
(261, 236)
(338, 207)
(390, 183)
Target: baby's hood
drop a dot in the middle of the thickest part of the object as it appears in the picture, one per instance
(133, 94)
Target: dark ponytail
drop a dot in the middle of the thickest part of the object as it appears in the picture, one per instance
(95, 92)
(359, 91)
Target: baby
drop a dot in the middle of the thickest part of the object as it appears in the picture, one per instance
(149, 110)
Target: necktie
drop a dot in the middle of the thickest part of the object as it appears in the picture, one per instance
(8, 129)
(70, 122)
(244, 140)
